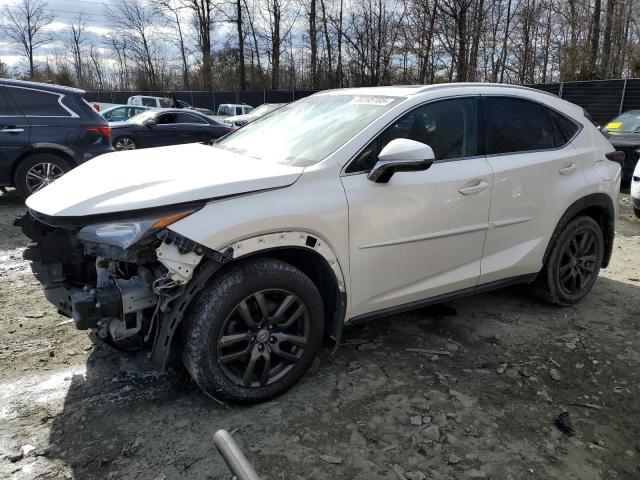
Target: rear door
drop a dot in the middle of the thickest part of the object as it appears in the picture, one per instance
(537, 172)
(15, 131)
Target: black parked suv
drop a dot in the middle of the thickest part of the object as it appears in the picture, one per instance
(46, 130)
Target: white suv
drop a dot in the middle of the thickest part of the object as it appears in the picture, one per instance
(346, 205)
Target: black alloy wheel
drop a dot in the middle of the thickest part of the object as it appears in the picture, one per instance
(573, 264)
(263, 338)
(577, 263)
(253, 331)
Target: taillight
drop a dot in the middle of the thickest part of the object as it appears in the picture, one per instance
(104, 131)
(616, 156)
(96, 107)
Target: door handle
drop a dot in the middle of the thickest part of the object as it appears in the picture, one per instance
(477, 187)
(12, 130)
(568, 169)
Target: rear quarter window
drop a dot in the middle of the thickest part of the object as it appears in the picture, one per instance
(566, 128)
(37, 103)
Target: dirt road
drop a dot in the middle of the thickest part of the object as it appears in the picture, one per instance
(482, 406)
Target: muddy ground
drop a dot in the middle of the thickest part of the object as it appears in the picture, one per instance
(483, 406)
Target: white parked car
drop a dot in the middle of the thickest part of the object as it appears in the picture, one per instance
(346, 205)
(228, 109)
(635, 190)
(238, 121)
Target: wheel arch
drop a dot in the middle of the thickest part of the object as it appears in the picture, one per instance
(37, 151)
(314, 257)
(598, 206)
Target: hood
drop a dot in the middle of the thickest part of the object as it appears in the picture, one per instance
(234, 118)
(624, 140)
(157, 177)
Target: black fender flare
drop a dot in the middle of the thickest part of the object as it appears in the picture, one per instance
(600, 201)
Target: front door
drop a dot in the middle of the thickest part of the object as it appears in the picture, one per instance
(421, 234)
(164, 132)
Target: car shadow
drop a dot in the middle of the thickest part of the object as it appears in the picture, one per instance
(121, 420)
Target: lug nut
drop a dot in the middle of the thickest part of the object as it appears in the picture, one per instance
(260, 347)
(253, 339)
(272, 339)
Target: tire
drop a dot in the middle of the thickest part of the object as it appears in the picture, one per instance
(124, 143)
(210, 141)
(636, 211)
(38, 171)
(573, 264)
(227, 309)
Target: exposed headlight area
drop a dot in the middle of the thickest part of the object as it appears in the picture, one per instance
(112, 276)
(124, 234)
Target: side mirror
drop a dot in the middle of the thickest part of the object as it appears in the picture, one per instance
(150, 123)
(401, 155)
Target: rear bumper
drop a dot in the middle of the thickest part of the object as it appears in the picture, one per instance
(85, 156)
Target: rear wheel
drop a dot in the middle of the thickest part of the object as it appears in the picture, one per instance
(36, 172)
(574, 263)
(124, 143)
(254, 331)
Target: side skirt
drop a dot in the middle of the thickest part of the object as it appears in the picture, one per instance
(465, 292)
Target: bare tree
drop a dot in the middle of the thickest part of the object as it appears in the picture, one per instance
(135, 22)
(203, 18)
(274, 15)
(169, 9)
(24, 27)
(595, 39)
(76, 42)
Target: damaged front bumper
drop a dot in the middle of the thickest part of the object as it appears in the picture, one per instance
(131, 295)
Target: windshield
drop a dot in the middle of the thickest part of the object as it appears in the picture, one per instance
(141, 117)
(264, 109)
(307, 131)
(627, 122)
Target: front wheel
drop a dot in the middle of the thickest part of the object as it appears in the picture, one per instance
(574, 263)
(253, 332)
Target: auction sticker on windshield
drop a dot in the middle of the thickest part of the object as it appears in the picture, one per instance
(376, 101)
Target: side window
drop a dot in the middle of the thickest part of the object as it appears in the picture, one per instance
(6, 108)
(238, 110)
(37, 103)
(565, 127)
(149, 102)
(188, 118)
(449, 127)
(517, 125)
(115, 115)
(166, 119)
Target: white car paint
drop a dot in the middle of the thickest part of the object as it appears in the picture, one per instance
(133, 180)
(635, 189)
(421, 235)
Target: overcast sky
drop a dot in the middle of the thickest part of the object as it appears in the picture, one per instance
(65, 12)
